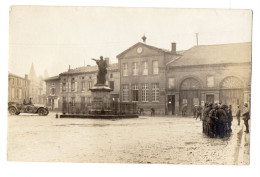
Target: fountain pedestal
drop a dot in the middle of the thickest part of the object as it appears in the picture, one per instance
(100, 96)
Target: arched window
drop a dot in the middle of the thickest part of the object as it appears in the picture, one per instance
(231, 83)
(190, 84)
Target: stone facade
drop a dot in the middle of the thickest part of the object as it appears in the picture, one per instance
(18, 88)
(53, 93)
(143, 76)
(198, 79)
(73, 86)
(211, 73)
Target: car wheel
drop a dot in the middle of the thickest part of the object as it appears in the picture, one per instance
(12, 111)
(41, 112)
(46, 112)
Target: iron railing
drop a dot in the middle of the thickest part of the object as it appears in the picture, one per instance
(115, 108)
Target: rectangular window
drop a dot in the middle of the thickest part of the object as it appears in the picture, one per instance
(72, 84)
(125, 69)
(125, 92)
(64, 85)
(145, 68)
(82, 100)
(64, 99)
(83, 86)
(17, 93)
(144, 92)
(135, 92)
(155, 67)
(171, 83)
(89, 101)
(20, 93)
(89, 85)
(111, 85)
(18, 82)
(155, 92)
(13, 93)
(53, 91)
(111, 75)
(135, 68)
(210, 81)
(73, 101)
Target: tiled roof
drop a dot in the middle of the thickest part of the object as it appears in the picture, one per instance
(215, 54)
(52, 78)
(86, 69)
(11, 74)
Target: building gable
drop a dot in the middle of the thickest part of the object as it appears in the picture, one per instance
(141, 50)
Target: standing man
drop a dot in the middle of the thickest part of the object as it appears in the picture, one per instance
(199, 112)
(152, 112)
(194, 109)
(222, 119)
(212, 121)
(246, 114)
(238, 114)
(230, 118)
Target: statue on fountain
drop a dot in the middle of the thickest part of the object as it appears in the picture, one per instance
(102, 71)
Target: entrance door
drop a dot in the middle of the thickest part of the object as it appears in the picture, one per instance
(171, 104)
(210, 98)
(189, 94)
(232, 93)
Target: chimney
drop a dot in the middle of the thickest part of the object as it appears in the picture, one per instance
(173, 48)
(107, 61)
(69, 67)
(26, 76)
(144, 39)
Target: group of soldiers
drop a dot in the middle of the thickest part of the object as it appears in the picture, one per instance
(217, 119)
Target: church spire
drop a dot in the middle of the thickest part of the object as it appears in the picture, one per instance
(32, 73)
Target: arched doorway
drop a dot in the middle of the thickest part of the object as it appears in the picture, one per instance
(232, 92)
(189, 94)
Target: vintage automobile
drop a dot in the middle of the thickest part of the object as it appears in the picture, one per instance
(17, 108)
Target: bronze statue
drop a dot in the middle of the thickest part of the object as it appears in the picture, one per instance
(102, 70)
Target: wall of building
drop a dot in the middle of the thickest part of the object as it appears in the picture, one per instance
(219, 72)
(53, 97)
(90, 79)
(18, 88)
(148, 55)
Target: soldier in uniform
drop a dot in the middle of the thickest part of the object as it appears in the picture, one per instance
(227, 132)
(238, 114)
(208, 120)
(212, 122)
(204, 118)
(222, 119)
(199, 109)
(246, 114)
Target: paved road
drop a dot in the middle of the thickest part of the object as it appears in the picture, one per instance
(144, 140)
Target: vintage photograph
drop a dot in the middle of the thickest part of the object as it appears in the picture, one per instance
(129, 85)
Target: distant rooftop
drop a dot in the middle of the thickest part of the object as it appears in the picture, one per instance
(215, 54)
(52, 78)
(11, 74)
(89, 69)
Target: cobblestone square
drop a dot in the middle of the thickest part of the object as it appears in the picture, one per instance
(170, 140)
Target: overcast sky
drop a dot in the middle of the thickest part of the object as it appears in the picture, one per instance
(55, 37)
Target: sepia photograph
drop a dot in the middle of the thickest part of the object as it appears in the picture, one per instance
(129, 85)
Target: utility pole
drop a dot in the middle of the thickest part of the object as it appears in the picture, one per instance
(197, 38)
